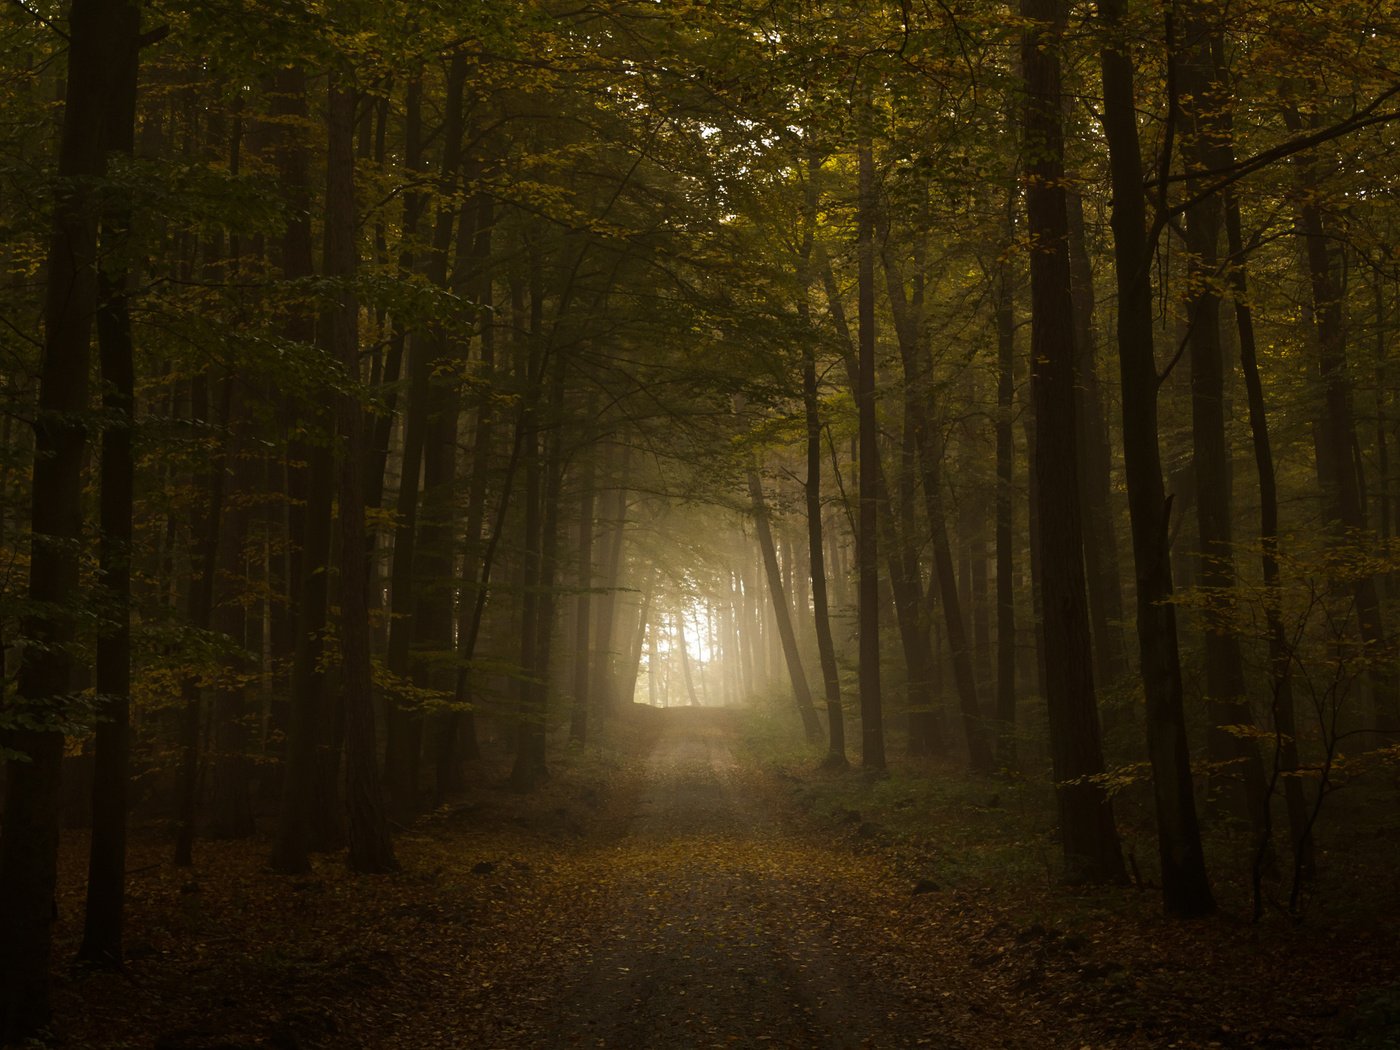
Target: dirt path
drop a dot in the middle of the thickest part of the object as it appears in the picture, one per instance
(670, 894)
(701, 918)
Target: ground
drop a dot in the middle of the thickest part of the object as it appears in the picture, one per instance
(676, 891)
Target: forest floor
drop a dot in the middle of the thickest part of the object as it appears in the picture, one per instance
(673, 890)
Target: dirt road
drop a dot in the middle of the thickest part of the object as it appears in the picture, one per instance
(703, 918)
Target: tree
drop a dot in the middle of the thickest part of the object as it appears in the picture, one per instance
(1185, 889)
(100, 45)
(1087, 830)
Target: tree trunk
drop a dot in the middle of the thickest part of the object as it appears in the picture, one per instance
(371, 850)
(583, 607)
(29, 847)
(802, 695)
(872, 731)
(1205, 147)
(1285, 765)
(1087, 831)
(1103, 574)
(1005, 518)
(1337, 468)
(311, 484)
(1185, 888)
(106, 885)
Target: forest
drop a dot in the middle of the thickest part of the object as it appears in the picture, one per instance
(816, 523)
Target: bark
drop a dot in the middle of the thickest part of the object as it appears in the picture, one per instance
(311, 481)
(1185, 888)
(604, 690)
(106, 885)
(206, 527)
(826, 647)
(231, 802)
(478, 557)
(583, 611)
(1103, 573)
(1285, 764)
(1005, 521)
(1337, 468)
(931, 454)
(1205, 146)
(867, 544)
(802, 694)
(29, 847)
(927, 732)
(367, 829)
(1087, 831)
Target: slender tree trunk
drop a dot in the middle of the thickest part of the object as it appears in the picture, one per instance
(1005, 520)
(368, 831)
(1205, 146)
(1185, 888)
(826, 647)
(1103, 574)
(206, 528)
(872, 731)
(1280, 654)
(478, 555)
(583, 608)
(1338, 467)
(931, 460)
(802, 694)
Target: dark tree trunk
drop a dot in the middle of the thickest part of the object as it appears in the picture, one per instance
(1103, 574)
(1338, 468)
(1005, 520)
(1205, 146)
(367, 829)
(29, 846)
(231, 801)
(478, 556)
(931, 460)
(204, 532)
(1285, 765)
(583, 608)
(826, 647)
(872, 730)
(802, 694)
(311, 480)
(1185, 888)
(1087, 831)
(106, 886)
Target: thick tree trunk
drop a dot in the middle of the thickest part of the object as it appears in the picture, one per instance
(29, 847)
(1185, 888)
(106, 886)
(1087, 831)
